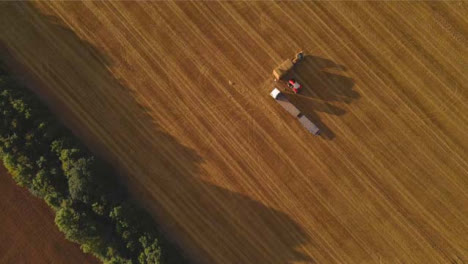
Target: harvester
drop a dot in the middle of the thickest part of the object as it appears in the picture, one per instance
(280, 72)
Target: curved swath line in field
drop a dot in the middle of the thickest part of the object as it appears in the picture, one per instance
(441, 104)
(433, 133)
(456, 185)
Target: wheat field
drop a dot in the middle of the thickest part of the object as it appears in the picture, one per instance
(176, 96)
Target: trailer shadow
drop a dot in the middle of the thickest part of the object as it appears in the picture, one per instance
(323, 89)
(210, 223)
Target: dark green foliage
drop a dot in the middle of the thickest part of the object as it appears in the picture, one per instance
(91, 207)
(82, 226)
(151, 251)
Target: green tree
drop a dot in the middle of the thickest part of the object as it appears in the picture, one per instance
(91, 207)
(151, 253)
(81, 227)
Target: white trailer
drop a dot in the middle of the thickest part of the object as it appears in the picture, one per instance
(288, 106)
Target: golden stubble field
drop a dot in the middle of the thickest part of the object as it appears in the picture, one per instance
(176, 96)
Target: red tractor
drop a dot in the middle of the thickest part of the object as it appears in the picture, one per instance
(294, 85)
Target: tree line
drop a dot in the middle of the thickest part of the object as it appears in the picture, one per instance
(91, 207)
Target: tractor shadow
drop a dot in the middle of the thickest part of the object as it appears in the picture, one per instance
(323, 89)
(210, 223)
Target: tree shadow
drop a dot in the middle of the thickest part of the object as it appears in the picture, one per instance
(322, 89)
(210, 223)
